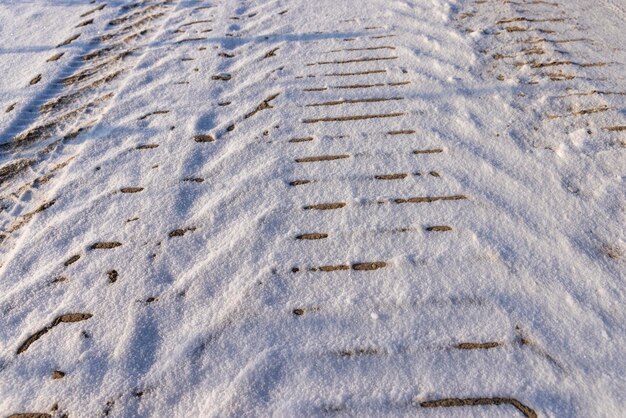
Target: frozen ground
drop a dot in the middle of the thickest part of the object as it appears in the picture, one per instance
(313, 208)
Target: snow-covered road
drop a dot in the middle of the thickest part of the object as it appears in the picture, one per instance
(312, 208)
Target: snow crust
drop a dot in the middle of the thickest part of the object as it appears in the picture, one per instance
(216, 307)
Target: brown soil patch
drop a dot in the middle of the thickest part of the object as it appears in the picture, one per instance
(271, 53)
(69, 40)
(204, 138)
(182, 41)
(180, 232)
(355, 73)
(439, 228)
(55, 57)
(455, 402)
(331, 268)
(97, 9)
(353, 118)
(352, 101)
(112, 275)
(366, 59)
(429, 199)
(299, 182)
(312, 236)
(307, 139)
(105, 245)
(371, 48)
(156, 112)
(360, 352)
(222, 77)
(11, 170)
(399, 176)
(325, 206)
(67, 318)
(369, 266)
(265, 104)
(85, 23)
(321, 158)
(428, 151)
(477, 346)
(620, 128)
(131, 189)
(590, 111)
(402, 132)
(71, 260)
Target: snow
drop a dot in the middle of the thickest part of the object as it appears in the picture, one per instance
(218, 302)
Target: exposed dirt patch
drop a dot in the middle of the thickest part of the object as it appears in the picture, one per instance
(35, 80)
(352, 101)
(204, 138)
(222, 77)
(312, 236)
(112, 275)
(92, 11)
(180, 232)
(105, 245)
(457, 402)
(307, 139)
(85, 23)
(620, 128)
(299, 182)
(147, 146)
(12, 169)
(200, 38)
(371, 48)
(428, 151)
(353, 118)
(321, 158)
(265, 104)
(69, 40)
(330, 268)
(477, 346)
(401, 132)
(131, 189)
(399, 176)
(271, 53)
(67, 318)
(71, 260)
(156, 112)
(355, 73)
(439, 228)
(368, 351)
(351, 61)
(325, 206)
(429, 199)
(58, 374)
(375, 265)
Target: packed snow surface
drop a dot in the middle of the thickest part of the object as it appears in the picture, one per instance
(300, 208)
